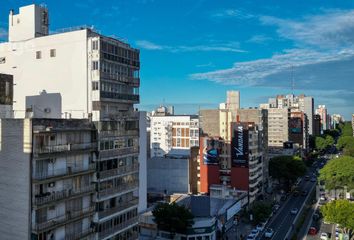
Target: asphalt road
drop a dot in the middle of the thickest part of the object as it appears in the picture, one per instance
(283, 220)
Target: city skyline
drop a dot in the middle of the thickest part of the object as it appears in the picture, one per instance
(269, 45)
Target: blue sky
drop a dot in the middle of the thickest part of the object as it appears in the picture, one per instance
(192, 51)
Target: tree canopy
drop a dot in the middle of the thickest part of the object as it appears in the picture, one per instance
(345, 141)
(172, 217)
(286, 168)
(261, 211)
(324, 142)
(338, 172)
(346, 129)
(340, 212)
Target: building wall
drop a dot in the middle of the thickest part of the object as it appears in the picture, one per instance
(142, 162)
(66, 73)
(278, 132)
(15, 152)
(170, 175)
(209, 121)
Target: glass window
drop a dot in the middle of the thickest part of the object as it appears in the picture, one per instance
(53, 53)
(38, 55)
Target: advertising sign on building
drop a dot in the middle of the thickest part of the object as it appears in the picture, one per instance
(295, 125)
(239, 145)
(211, 152)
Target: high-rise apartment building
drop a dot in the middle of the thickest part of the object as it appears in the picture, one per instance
(278, 126)
(322, 111)
(317, 125)
(353, 123)
(173, 134)
(47, 168)
(98, 78)
(301, 102)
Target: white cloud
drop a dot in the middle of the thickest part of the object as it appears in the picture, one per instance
(259, 39)
(233, 13)
(217, 47)
(332, 29)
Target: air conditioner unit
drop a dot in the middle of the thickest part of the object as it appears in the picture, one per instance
(47, 110)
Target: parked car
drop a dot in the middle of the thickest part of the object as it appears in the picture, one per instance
(276, 207)
(260, 227)
(304, 193)
(307, 177)
(254, 232)
(294, 211)
(313, 179)
(296, 193)
(312, 231)
(324, 236)
(251, 237)
(269, 233)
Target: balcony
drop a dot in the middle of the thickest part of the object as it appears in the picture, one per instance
(63, 219)
(64, 172)
(118, 171)
(118, 152)
(61, 195)
(78, 236)
(116, 133)
(120, 96)
(110, 211)
(129, 80)
(121, 188)
(117, 228)
(65, 148)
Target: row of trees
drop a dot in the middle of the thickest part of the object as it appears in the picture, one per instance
(286, 169)
(346, 140)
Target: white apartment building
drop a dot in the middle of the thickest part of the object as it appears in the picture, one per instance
(174, 134)
(98, 78)
(322, 111)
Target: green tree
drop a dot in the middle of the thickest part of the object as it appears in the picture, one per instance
(340, 212)
(286, 169)
(260, 211)
(172, 218)
(329, 141)
(346, 129)
(320, 143)
(331, 132)
(338, 172)
(345, 141)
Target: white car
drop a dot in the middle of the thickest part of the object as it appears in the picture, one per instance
(251, 237)
(324, 236)
(254, 232)
(269, 233)
(260, 227)
(294, 211)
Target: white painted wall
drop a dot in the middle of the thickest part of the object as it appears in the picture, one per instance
(44, 105)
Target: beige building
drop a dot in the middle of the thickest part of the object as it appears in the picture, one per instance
(278, 126)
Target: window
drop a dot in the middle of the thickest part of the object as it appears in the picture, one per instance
(2, 60)
(38, 55)
(95, 65)
(95, 86)
(95, 45)
(53, 53)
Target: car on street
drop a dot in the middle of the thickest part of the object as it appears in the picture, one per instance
(283, 197)
(312, 231)
(251, 237)
(307, 177)
(324, 236)
(254, 232)
(260, 227)
(296, 193)
(304, 193)
(269, 233)
(276, 207)
(313, 179)
(294, 211)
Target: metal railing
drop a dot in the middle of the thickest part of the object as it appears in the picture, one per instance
(80, 235)
(119, 227)
(68, 171)
(119, 171)
(69, 216)
(64, 194)
(125, 79)
(118, 152)
(121, 188)
(65, 148)
(110, 211)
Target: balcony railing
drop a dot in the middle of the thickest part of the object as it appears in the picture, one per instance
(120, 96)
(63, 219)
(118, 152)
(119, 171)
(60, 195)
(65, 148)
(121, 188)
(115, 133)
(63, 172)
(129, 80)
(119, 227)
(80, 235)
(110, 211)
